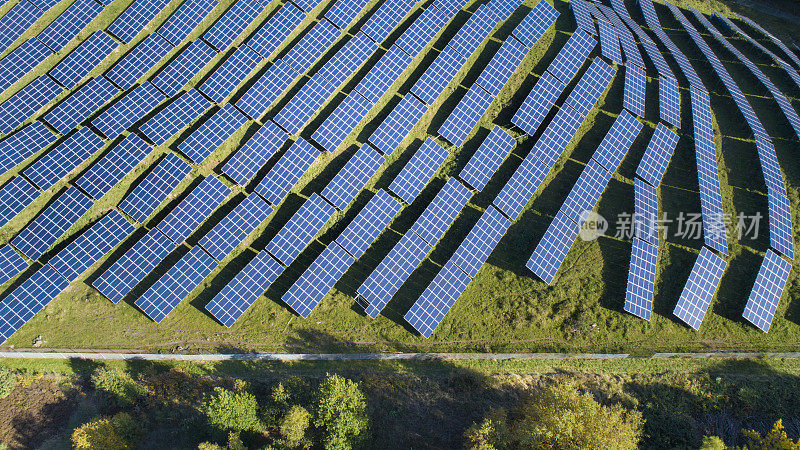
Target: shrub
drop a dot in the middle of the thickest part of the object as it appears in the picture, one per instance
(341, 413)
(294, 425)
(232, 411)
(490, 434)
(234, 443)
(712, 443)
(118, 432)
(119, 385)
(8, 381)
(776, 439)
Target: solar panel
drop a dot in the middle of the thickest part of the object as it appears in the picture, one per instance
(15, 21)
(700, 288)
(774, 39)
(90, 246)
(477, 28)
(618, 141)
(609, 42)
(571, 56)
(475, 249)
(174, 117)
(15, 195)
(635, 82)
(318, 279)
(232, 230)
(116, 282)
(80, 61)
(21, 60)
(553, 248)
(441, 212)
(155, 187)
(135, 17)
(466, 115)
(770, 167)
(212, 133)
(586, 192)
(108, 170)
(669, 101)
(418, 171)
(422, 31)
(304, 104)
(583, 16)
(533, 26)
(183, 21)
(368, 224)
(520, 188)
(23, 144)
(767, 291)
(64, 158)
(307, 5)
(232, 23)
(398, 124)
(180, 70)
(268, 88)
(344, 187)
(127, 71)
(287, 171)
(641, 279)
(487, 158)
(431, 307)
(557, 135)
(276, 29)
(386, 18)
(176, 284)
(67, 25)
(225, 77)
(591, 86)
(384, 282)
(438, 75)
(44, 230)
(538, 103)
(28, 299)
(378, 80)
(238, 295)
(311, 46)
(780, 225)
(656, 157)
(78, 106)
(344, 11)
(645, 216)
(255, 153)
(127, 110)
(502, 66)
(11, 264)
(300, 230)
(194, 209)
(27, 101)
(342, 121)
(503, 8)
(348, 59)
(449, 7)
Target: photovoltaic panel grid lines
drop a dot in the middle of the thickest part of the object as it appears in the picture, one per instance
(287, 171)
(78, 106)
(311, 46)
(183, 21)
(300, 230)
(69, 23)
(583, 16)
(232, 23)
(238, 295)
(656, 157)
(268, 88)
(422, 31)
(302, 106)
(342, 13)
(232, 230)
(23, 144)
(466, 115)
(277, 28)
(641, 279)
(538, 103)
(386, 18)
(135, 17)
(429, 310)
(63, 158)
(127, 110)
(475, 249)
(418, 171)
(645, 217)
(348, 59)
(437, 76)
(318, 279)
(669, 101)
(212, 133)
(700, 288)
(571, 57)
(618, 141)
(502, 66)
(11, 264)
(174, 117)
(115, 164)
(21, 60)
(155, 187)
(181, 69)
(398, 124)
(349, 181)
(553, 248)
(28, 299)
(473, 33)
(487, 158)
(381, 76)
(194, 209)
(229, 74)
(609, 42)
(80, 61)
(557, 135)
(368, 224)
(586, 192)
(126, 71)
(591, 86)
(441, 212)
(255, 153)
(767, 291)
(26, 101)
(520, 188)
(780, 225)
(533, 26)
(15, 195)
(635, 82)
(342, 121)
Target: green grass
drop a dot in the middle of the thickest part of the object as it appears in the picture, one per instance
(505, 307)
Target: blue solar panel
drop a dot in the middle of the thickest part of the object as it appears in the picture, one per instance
(279, 26)
(583, 16)
(386, 18)
(645, 211)
(438, 75)
(300, 230)
(466, 115)
(520, 188)
(591, 86)
(449, 7)
(629, 47)
(571, 56)
(155, 187)
(475, 249)
(368, 224)
(431, 307)
(135, 17)
(176, 284)
(11, 264)
(28, 299)
(503, 8)
(641, 279)
(618, 141)
(14, 197)
(780, 225)
(311, 46)
(487, 158)
(422, 31)
(127, 110)
(78, 106)
(586, 193)
(398, 124)
(344, 187)
(770, 167)
(651, 18)
(212, 133)
(378, 80)
(538, 103)
(669, 99)
(232, 23)
(27, 101)
(418, 171)
(553, 248)
(287, 171)
(16, 21)
(557, 135)
(255, 153)
(533, 26)
(238, 295)
(609, 42)
(502, 66)
(108, 170)
(384, 282)
(348, 59)
(23, 144)
(700, 288)
(194, 209)
(268, 88)
(318, 279)
(304, 104)
(127, 71)
(225, 77)
(183, 21)
(344, 11)
(342, 121)
(635, 82)
(69, 23)
(90, 246)
(470, 36)
(174, 117)
(232, 230)
(767, 291)
(180, 70)
(657, 155)
(62, 159)
(83, 59)
(307, 5)
(43, 231)
(441, 212)
(21, 60)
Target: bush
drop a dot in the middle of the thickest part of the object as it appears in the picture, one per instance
(341, 413)
(118, 432)
(293, 427)
(8, 381)
(712, 443)
(776, 439)
(232, 411)
(491, 434)
(119, 385)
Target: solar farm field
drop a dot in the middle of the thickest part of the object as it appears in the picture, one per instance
(276, 176)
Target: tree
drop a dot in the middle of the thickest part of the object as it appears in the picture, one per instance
(118, 432)
(232, 411)
(124, 389)
(776, 439)
(341, 413)
(712, 443)
(294, 425)
(491, 434)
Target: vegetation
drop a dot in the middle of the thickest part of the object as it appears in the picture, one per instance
(112, 433)
(341, 413)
